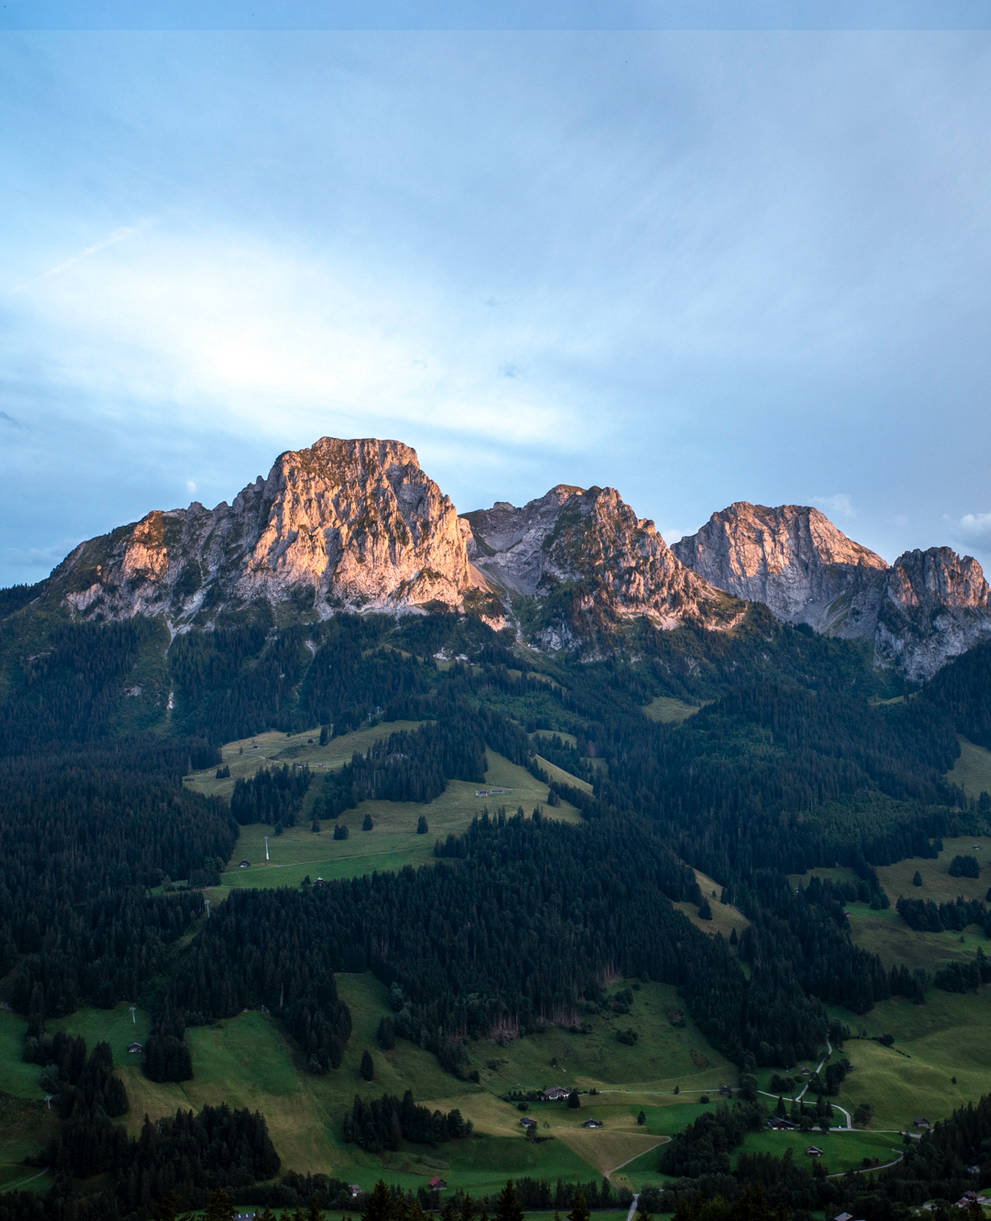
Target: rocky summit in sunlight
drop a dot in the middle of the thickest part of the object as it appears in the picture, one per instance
(341, 525)
(358, 526)
(927, 607)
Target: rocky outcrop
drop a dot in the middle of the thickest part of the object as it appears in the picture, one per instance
(794, 560)
(929, 606)
(936, 605)
(343, 524)
(589, 553)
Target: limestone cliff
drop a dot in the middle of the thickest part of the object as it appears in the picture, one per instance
(588, 555)
(936, 605)
(343, 524)
(794, 560)
(929, 606)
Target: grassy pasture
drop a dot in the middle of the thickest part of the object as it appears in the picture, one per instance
(393, 841)
(935, 1042)
(936, 881)
(668, 710)
(725, 917)
(114, 1026)
(886, 934)
(842, 1151)
(562, 776)
(663, 1056)
(245, 756)
(972, 771)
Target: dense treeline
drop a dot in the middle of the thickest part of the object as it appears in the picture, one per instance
(68, 688)
(382, 1123)
(960, 693)
(705, 1145)
(82, 838)
(926, 916)
(512, 935)
(77, 1083)
(188, 1154)
(273, 795)
(408, 766)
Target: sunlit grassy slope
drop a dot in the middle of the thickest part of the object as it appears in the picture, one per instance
(393, 840)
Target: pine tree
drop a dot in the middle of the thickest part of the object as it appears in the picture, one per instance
(367, 1068)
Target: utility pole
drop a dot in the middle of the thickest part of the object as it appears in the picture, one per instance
(207, 902)
(134, 1020)
(266, 847)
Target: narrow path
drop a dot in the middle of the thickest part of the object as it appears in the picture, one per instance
(818, 1068)
(19, 1183)
(661, 1140)
(633, 1204)
(866, 1169)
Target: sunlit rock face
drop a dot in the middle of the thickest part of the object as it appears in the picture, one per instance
(592, 547)
(927, 607)
(936, 605)
(343, 524)
(794, 560)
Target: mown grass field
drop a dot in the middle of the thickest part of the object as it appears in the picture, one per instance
(393, 842)
(842, 1151)
(669, 711)
(972, 771)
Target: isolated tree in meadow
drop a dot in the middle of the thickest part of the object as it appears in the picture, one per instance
(574, 1102)
(916, 878)
(367, 1068)
(421, 826)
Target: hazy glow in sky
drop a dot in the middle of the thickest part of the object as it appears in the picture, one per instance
(699, 266)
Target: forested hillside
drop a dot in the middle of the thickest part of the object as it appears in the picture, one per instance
(799, 757)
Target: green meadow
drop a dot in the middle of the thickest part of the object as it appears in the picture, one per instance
(972, 771)
(669, 711)
(245, 756)
(393, 841)
(939, 1060)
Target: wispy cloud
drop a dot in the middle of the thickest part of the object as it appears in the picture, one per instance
(289, 344)
(976, 527)
(112, 239)
(9, 420)
(840, 504)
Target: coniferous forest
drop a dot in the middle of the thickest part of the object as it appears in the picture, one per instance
(799, 755)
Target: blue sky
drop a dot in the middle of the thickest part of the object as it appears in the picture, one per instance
(699, 265)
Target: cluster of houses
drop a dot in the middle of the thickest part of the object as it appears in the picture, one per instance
(490, 792)
(529, 1122)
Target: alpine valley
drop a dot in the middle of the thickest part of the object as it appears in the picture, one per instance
(363, 856)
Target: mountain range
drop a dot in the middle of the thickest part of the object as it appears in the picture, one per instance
(358, 525)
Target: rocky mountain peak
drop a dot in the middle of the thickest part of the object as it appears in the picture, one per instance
(591, 540)
(343, 523)
(936, 605)
(792, 558)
